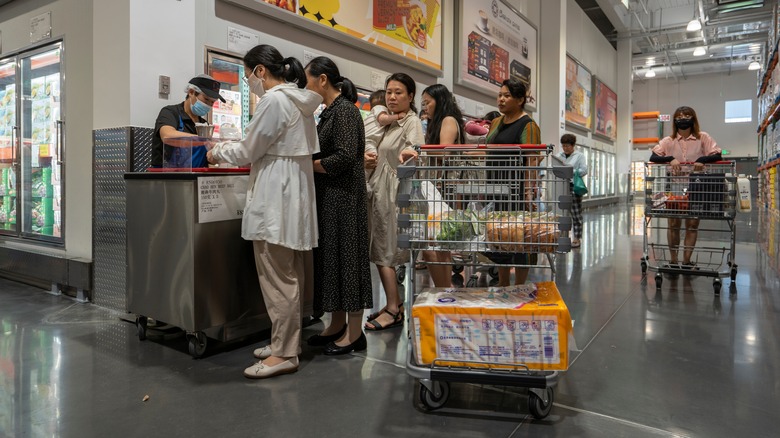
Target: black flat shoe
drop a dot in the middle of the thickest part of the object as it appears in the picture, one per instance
(319, 340)
(360, 344)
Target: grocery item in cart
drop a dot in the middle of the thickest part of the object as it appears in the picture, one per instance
(522, 231)
(451, 226)
(497, 327)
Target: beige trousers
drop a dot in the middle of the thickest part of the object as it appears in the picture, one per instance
(282, 275)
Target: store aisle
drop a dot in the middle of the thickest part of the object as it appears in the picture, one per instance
(679, 362)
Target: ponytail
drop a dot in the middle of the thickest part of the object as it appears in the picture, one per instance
(294, 72)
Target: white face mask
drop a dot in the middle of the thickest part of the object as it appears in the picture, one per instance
(256, 85)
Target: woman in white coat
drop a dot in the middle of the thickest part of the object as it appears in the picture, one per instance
(280, 216)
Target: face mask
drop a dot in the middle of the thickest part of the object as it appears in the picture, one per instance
(199, 108)
(425, 125)
(683, 124)
(256, 85)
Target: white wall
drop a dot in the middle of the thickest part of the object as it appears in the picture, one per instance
(71, 19)
(586, 44)
(707, 95)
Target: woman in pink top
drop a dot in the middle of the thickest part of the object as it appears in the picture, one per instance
(686, 144)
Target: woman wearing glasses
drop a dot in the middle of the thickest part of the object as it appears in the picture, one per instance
(686, 144)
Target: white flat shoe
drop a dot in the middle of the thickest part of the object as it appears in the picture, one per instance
(263, 352)
(261, 371)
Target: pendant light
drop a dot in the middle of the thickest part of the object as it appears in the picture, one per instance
(754, 66)
(699, 51)
(650, 73)
(694, 25)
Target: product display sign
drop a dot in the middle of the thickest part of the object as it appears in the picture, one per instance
(496, 43)
(578, 94)
(409, 29)
(221, 198)
(606, 110)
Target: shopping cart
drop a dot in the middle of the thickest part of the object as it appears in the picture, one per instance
(705, 200)
(497, 205)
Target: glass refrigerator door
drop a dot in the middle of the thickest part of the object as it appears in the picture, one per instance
(42, 133)
(235, 111)
(9, 148)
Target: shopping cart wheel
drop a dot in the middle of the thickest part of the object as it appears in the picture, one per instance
(197, 344)
(644, 267)
(400, 274)
(659, 279)
(538, 407)
(457, 280)
(432, 400)
(493, 272)
(140, 325)
(733, 273)
(716, 285)
(473, 280)
(457, 269)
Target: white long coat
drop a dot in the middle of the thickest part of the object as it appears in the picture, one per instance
(279, 143)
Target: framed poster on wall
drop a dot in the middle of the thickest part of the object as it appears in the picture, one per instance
(495, 42)
(578, 94)
(408, 31)
(605, 110)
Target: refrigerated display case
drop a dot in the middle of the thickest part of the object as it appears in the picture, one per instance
(601, 173)
(238, 107)
(31, 144)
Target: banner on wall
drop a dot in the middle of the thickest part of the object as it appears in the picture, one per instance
(578, 94)
(496, 43)
(605, 110)
(410, 29)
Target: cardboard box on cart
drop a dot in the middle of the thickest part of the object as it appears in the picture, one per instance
(527, 324)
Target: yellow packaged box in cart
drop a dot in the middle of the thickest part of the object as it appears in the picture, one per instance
(526, 324)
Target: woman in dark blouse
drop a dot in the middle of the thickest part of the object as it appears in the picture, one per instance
(342, 276)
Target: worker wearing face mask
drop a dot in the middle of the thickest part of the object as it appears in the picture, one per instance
(179, 121)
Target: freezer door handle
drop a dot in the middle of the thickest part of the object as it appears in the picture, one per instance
(14, 146)
(60, 132)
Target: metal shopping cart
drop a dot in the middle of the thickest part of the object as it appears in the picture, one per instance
(678, 200)
(501, 205)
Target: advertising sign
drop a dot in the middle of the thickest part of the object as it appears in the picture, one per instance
(606, 110)
(495, 43)
(410, 29)
(578, 94)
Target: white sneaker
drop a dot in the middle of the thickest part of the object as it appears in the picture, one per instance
(263, 352)
(262, 371)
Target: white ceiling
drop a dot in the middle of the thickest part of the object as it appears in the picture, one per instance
(657, 30)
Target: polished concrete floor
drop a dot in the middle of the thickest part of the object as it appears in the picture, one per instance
(678, 361)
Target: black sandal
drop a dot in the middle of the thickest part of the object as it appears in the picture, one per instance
(375, 315)
(398, 319)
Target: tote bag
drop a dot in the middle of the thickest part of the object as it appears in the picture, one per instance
(579, 185)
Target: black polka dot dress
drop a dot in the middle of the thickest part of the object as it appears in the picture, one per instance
(342, 275)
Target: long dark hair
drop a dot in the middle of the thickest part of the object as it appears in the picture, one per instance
(686, 111)
(518, 90)
(408, 82)
(323, 65)
(289, 69)
(445, 106)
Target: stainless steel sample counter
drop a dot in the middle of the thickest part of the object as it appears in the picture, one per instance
(187, 264)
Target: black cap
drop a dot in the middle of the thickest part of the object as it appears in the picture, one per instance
(208, 85)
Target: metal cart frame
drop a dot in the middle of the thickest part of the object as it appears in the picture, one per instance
(551, 184)
(683, 195)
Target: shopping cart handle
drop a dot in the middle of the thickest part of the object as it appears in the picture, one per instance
(534, 147)
(689, 163)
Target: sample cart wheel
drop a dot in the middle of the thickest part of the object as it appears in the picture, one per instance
(716, 285)
(400, 274)
(659, 279)
(432, 400)
(538, 407)
(140, 325)
(197, 343)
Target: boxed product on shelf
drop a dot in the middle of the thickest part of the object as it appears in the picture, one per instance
(53, 86)
(503, 327)
(38, 88)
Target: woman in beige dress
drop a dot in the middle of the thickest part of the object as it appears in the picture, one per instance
(405, 133)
